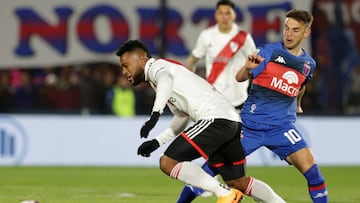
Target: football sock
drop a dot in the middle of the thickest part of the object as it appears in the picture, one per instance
(194, 175)
(189, 193)
(262, 192)
(316, 185)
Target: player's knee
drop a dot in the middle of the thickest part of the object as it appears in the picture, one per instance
(239, 183)
(167, 164)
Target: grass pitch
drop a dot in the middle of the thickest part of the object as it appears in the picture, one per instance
(138, 185)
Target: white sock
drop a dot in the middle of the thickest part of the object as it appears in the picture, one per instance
(194, 175)
(262, 192)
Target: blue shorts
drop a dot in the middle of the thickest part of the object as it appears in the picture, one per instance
(282, 140)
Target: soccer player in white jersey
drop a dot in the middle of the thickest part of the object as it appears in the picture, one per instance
(215, 134)
(225, 47)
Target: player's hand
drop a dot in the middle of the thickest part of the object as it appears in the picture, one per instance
(299, 109)
(148, 147)
(253, 61)
(149, 124)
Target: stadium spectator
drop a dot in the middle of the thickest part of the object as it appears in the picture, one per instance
(25, 93)
(45, 101)
(6, 92)
(121, 98)
(336, 53)
(269, 113)
(90, 91)
(215, 134)
(66, 94)
(354, 96)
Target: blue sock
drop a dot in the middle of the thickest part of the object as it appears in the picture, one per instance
(316, 185)
(189, 193)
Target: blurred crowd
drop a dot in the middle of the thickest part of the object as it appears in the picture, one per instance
(81, 89)
(98, 89)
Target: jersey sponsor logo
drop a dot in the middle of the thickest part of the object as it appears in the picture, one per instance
(284, 84)
(291, 77)
(280, 59)
(281, 79)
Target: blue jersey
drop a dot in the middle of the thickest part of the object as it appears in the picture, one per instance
(275, 85)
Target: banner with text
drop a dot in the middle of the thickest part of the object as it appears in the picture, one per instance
(59, 32)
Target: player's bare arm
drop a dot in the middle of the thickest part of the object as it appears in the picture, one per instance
(252, 62)
(299, 98)
(190, 63)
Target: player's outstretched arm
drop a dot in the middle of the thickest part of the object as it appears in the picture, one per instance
(252, 61)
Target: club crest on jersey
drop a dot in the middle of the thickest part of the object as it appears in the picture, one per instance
(280, 59)
(234, 46)
(285, 83)
(306, 69)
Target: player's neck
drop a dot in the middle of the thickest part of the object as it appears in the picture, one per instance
(296, 52)
(225, 30)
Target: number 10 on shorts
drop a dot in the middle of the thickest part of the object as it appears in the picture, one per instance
(292, 136)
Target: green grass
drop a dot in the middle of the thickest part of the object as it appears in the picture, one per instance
(138, 185)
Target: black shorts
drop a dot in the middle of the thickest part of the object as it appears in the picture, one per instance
(217, 141)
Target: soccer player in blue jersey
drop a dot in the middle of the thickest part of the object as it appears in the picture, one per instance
(279, 72)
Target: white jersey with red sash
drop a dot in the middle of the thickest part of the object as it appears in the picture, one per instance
(225, 53)
(276, 83)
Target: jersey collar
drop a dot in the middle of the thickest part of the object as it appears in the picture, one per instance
(147, 68)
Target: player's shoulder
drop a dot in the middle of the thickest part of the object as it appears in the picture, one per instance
(268, 48)
(236, 28)
(273, 45)
(168, 65)
(308, 56)
(310, 60)
(168, 61)
(209, 30)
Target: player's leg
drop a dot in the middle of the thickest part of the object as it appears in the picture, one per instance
(304, 161)
(251, 141)
(189, 146)
(189, 193)
(289, 144)
(192, 174)
(260, 191)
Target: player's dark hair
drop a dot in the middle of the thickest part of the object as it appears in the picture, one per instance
(300, 15)
(132, 45)
(226, 3)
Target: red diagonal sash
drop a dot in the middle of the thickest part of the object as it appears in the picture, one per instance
(225, 55)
